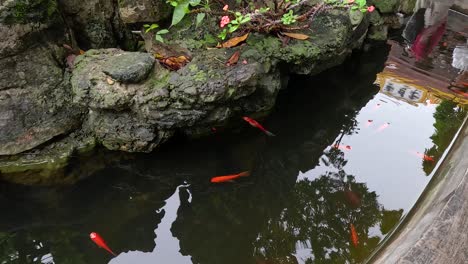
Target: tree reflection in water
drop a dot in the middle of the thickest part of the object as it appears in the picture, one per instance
(448, 119)
(317, 216)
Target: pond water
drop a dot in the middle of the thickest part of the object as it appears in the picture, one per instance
(355, 148)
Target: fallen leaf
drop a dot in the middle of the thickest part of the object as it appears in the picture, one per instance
(296, 35)
(82, 52)
(233, 42)
(175, 63)
(233, 59)
(110, 81)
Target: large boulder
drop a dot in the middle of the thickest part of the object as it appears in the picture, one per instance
(203, 94)
(144, 11)
(34, 92)
(387, 6)
(129, 101)
(96, 23)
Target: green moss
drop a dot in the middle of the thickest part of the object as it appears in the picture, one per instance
(193, 67)
(200, 76)
(387, 6)
(31, 11)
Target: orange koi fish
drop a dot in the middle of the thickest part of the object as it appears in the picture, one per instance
(254, 123)
(382, 127)
(343, 147)
(97, 239)
(423, 156)
(220, 179)
(354, 235)
(369, 123)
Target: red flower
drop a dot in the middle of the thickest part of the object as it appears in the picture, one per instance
(224, 21)
(350, 1)
(371, 8)
(226, 7)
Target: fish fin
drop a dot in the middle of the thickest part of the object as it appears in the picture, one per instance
(269, 133)
(244, 174)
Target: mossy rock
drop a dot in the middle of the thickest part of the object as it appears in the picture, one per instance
(387, 6)
(28, 11)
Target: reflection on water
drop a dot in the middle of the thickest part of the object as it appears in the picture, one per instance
(345, 155)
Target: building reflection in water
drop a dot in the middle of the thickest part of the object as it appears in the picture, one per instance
(431, 60)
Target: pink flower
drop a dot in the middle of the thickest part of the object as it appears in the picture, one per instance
(371, 8)
(226, 7)
(350, 1)
(224, 21)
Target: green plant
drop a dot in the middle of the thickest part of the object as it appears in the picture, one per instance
(289, 18)
(182, 7)
(158, 34)
(355, 4)
(361, 5)
(233, 25)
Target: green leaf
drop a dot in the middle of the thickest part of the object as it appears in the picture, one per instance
(245, 19)
(235, 22)
(159, 38)
(200, 17)
(194, 2)
(162, 32)
(361, 2)
(150, 27)
(233, 28)
(179, 12)
(223, 34)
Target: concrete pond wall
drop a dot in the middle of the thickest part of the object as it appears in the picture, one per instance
(436, 229)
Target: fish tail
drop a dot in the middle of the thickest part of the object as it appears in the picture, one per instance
(269, 133)
(110, 251)
(244, 174)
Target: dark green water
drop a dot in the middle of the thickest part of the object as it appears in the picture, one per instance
(296, 207)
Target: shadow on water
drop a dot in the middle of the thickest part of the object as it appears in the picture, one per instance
(162, 208)
(261, 219)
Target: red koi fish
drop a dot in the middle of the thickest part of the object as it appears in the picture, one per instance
(377, 106)
(220, 179)
(254, 123)
(369, 123)
(382, 127)
(97, 239)
(423, 156)
(343, 147)
(354, 235)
